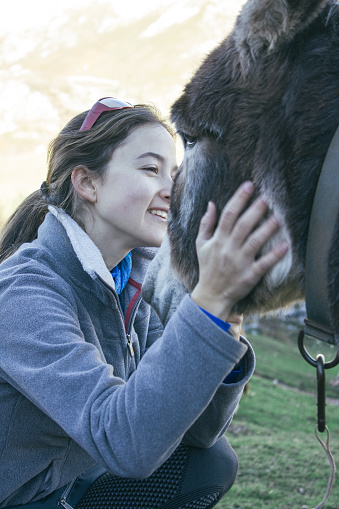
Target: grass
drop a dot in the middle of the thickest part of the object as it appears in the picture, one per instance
(281, 463)
(281, 360)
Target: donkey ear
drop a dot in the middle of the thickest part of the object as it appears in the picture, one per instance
(263, 25)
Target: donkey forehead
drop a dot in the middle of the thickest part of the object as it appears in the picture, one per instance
(195, 113)
(252, 62)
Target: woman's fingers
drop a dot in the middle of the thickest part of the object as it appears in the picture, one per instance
(249, 220)
(255, 241)
(234, 207)
(207, 224)
(249, 230)
(269, 260)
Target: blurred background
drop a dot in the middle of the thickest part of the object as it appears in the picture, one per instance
(58, 57)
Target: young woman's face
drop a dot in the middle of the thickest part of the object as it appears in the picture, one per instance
(132, 200)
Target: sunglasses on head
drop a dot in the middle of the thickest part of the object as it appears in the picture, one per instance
(104, 104)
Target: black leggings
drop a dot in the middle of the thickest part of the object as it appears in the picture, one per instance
(191, 478)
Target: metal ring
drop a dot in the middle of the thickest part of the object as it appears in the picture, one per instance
(310, 359)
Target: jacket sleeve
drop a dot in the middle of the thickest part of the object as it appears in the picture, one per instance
(217, 417)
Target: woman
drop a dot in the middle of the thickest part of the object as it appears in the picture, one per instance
(101, 407)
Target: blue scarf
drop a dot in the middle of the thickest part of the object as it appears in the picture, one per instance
(122, 272)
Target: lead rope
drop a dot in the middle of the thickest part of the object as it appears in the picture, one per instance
(320, 364)
(332, 464)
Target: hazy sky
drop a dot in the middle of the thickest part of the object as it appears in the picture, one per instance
(17, 15)
(34, 106)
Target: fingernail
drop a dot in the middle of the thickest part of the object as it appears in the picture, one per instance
(248, 186)
(284, 247)
(209, 206)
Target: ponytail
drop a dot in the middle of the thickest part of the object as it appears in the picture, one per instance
(23, 224)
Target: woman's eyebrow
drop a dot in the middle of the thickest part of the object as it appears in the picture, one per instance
(152, 154)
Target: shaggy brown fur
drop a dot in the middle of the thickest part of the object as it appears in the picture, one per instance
(263, 106)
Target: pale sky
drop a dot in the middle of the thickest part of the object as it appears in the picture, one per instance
(17, 15)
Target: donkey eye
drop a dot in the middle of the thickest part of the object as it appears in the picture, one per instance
(189, 141)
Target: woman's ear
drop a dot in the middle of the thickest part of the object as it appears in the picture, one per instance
(83, 183)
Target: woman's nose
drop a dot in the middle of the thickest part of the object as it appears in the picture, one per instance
(167, 189)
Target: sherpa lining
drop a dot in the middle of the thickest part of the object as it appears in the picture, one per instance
(87, 252)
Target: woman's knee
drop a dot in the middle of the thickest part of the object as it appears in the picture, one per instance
(216, 466)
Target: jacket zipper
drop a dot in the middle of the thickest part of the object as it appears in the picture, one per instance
(128, 335)
(65, 494)
(129, 344)
(131, 318)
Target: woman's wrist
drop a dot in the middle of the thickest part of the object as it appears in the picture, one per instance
(220, 309)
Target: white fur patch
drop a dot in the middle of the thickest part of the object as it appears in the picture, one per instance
(280, 271)
(192, 159)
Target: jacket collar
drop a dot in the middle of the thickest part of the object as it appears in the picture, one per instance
(90, 256)
(87, 252)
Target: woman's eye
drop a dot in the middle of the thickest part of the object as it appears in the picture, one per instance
(153, 169)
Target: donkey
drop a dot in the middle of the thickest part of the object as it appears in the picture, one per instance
(263, 106)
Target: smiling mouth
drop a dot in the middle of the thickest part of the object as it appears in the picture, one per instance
(160, 213)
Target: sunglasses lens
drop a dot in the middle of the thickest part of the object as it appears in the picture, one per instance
(110, 102)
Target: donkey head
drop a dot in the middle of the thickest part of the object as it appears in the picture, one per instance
(263, 106)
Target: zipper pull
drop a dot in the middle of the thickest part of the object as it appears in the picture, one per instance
(129, 344)
(65, 494)
(64, 504)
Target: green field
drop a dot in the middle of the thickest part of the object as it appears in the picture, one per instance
(281, 463)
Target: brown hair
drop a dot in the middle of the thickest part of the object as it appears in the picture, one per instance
(71, 148)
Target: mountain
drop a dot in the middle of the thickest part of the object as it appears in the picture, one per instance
(51, 73)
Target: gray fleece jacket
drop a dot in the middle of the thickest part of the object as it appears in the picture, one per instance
(71, 392)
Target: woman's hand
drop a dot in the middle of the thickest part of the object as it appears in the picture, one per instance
(228, 268)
